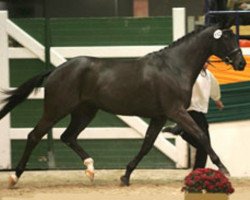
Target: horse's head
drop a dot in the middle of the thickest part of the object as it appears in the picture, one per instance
(227, 48)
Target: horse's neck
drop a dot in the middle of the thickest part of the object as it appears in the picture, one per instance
(197, 53)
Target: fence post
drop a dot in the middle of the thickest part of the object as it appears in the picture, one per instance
(47, 43)
(179, 30)
(5, 145)
(179, 22)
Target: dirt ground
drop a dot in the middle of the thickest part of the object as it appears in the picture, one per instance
(74, 185)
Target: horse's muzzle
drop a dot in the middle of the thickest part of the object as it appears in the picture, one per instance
(241, 65)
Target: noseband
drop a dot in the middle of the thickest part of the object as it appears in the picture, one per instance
(227, 59)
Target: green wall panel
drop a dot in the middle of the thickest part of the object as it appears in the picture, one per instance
(108, 154)
(27, 114)
(111, 31)
(23, 69)
(236, 99)
(102, 31)
(38, 158)
(33, 26)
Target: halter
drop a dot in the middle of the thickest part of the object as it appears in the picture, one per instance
(227, 59)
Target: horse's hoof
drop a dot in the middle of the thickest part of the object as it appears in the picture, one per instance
(90, 171)
(225, 172)
(90, 174)
(124, 181)
(12, 181)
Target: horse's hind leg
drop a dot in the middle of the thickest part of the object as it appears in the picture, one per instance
(153, 130)
(34, 138)
(80, 119)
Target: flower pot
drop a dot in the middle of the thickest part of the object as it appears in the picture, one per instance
(206, 196)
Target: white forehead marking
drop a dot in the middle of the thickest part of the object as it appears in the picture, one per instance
(217, 34)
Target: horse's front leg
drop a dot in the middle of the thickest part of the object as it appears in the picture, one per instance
(153, 130)
(189, 125)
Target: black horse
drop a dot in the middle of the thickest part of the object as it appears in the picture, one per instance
(157, 86)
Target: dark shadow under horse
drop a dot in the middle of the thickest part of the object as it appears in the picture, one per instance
(157, 86)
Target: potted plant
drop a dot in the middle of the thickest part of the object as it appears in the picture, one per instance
(206, 184)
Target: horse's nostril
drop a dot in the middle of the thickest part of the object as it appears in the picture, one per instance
(242, 65)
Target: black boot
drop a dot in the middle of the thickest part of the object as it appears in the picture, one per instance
(176, 130)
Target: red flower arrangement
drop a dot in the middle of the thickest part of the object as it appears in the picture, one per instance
(206, 180)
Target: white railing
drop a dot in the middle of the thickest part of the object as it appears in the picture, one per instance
(33, 49)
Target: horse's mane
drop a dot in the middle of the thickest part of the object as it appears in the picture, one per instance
(181, 40)
(187, 36)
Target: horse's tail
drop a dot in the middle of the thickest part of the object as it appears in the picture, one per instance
(18, 95)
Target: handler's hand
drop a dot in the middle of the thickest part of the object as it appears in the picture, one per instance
(219, 104)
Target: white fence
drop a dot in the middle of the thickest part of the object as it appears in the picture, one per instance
(230, 140)
(33, 49)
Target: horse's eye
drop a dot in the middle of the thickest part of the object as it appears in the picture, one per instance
(226, 36)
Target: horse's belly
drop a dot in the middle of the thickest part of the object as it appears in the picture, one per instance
(131, 108)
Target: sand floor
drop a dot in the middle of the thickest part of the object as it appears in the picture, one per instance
(74, 185)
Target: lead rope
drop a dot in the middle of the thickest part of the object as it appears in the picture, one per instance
(211, 64)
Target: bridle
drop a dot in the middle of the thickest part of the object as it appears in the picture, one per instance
(227, 59)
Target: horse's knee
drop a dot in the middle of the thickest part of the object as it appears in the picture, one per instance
(204, 141)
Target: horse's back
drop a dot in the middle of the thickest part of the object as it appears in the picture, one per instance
(91, 79)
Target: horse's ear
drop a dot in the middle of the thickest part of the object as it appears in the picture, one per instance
(226, 21)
